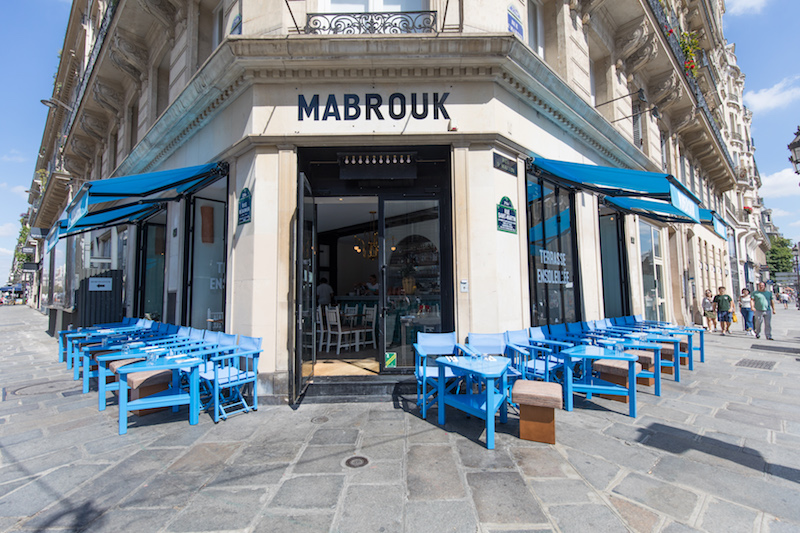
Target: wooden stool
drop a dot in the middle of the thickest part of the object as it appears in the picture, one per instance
(648, 360)
(147, 383)
(668, 354)
(614, 371)
(537, 401)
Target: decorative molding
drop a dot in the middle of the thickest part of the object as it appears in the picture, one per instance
(83, 147)
(75, 165)
(163, 11)
(666, 90)
(129, 55)
(95, 125)
(631, 37)
(685, 120)
(643, 55)
(109, 95)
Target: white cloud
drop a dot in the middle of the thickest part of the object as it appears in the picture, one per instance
(5, 251)
(778, 212)
(781, 184)
(796, 223)
(780, 95)
(13, 156)
(741, 7)
(9, 229)
(20, 190)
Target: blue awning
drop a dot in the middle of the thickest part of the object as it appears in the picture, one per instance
(129, 199)
(656, 209)
(710, 217)
(56, 231)
(655, 195)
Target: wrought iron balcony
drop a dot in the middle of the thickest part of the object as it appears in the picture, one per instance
(370, 23)
(666, 21)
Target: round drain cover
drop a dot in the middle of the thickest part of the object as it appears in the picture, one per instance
(45, 388)
(357, 462)
(319, 419)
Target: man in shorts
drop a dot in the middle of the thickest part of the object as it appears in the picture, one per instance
(722, 305)
(763, 308)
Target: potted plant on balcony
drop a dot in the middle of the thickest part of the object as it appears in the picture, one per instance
(748, 210)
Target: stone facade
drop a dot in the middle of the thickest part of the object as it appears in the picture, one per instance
(155, 85)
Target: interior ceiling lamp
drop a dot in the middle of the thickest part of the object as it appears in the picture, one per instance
(368, 245)
(640, 92)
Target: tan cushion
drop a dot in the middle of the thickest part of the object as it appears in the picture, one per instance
(115, 365)
(614, 367)
(149, 377)
(538, 393)
(646, 357)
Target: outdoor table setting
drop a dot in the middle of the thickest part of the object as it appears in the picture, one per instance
(489, 373)
(590, 384)
(175, 396)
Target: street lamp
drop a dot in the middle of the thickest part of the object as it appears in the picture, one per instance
(52, 103)
(794, 148)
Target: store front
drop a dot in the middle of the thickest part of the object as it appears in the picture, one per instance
(376, 230)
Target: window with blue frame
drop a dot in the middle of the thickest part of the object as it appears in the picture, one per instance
(553, 258)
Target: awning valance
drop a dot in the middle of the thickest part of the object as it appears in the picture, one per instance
(651, 194)
(710, 217)
(656, 209)
(129, 199)
(58, 229)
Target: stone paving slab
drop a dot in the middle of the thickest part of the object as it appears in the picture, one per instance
(716, 452)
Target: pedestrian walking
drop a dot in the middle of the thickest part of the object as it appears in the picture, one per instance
(746, 308)
(708, 311)
(763, 308)
(722, 305)
(785, 300)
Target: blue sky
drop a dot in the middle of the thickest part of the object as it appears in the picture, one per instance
(764, 32)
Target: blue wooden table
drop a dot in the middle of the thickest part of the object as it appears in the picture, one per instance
(487, 371)
(172, 397)
(590, 384)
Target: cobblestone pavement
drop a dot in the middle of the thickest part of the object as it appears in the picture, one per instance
(719, 451)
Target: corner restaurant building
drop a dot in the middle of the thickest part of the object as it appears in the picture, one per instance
(462, 172)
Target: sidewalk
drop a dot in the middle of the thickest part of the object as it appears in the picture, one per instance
(718, 452)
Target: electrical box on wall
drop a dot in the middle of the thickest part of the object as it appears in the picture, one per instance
(464, 286)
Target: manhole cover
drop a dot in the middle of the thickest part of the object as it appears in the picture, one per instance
(319, 419)
(45, 388)
(754, 363)
(357, 462)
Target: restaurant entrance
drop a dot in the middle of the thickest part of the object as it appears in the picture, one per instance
(375, 266)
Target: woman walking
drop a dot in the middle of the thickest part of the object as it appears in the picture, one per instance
(708, 311)
(746, 307)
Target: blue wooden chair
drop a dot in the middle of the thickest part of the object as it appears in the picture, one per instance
(495, 344)
(233, 376)
(538, 362)
(432, 345)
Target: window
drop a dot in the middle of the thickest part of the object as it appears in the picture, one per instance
(683, 168)
(664, 154)
(652, 272)
(592, 86)
(553, 259)
(372, 6)
(691, 177)
(636, 113)
(133, 130)
(536, 29)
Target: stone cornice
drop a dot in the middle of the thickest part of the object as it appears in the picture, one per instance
(241, 62)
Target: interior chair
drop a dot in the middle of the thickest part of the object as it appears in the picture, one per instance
(368, 328)
(350, 315)
(346, 336)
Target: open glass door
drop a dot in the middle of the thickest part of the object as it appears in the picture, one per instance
(305, 351)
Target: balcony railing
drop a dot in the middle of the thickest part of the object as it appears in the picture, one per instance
(666, 22)
(108, 16)
(370, 23)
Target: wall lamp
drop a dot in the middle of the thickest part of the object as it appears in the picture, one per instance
(640, 93)
(52, 103)
(653, 113)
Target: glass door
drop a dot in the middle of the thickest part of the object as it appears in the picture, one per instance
(152, 247)
(306, 323)
(208, 265)
(412, 277)
(652, 272)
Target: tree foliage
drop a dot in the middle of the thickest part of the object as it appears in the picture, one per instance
(779, 258)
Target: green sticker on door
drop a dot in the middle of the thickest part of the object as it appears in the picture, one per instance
(390, 360)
